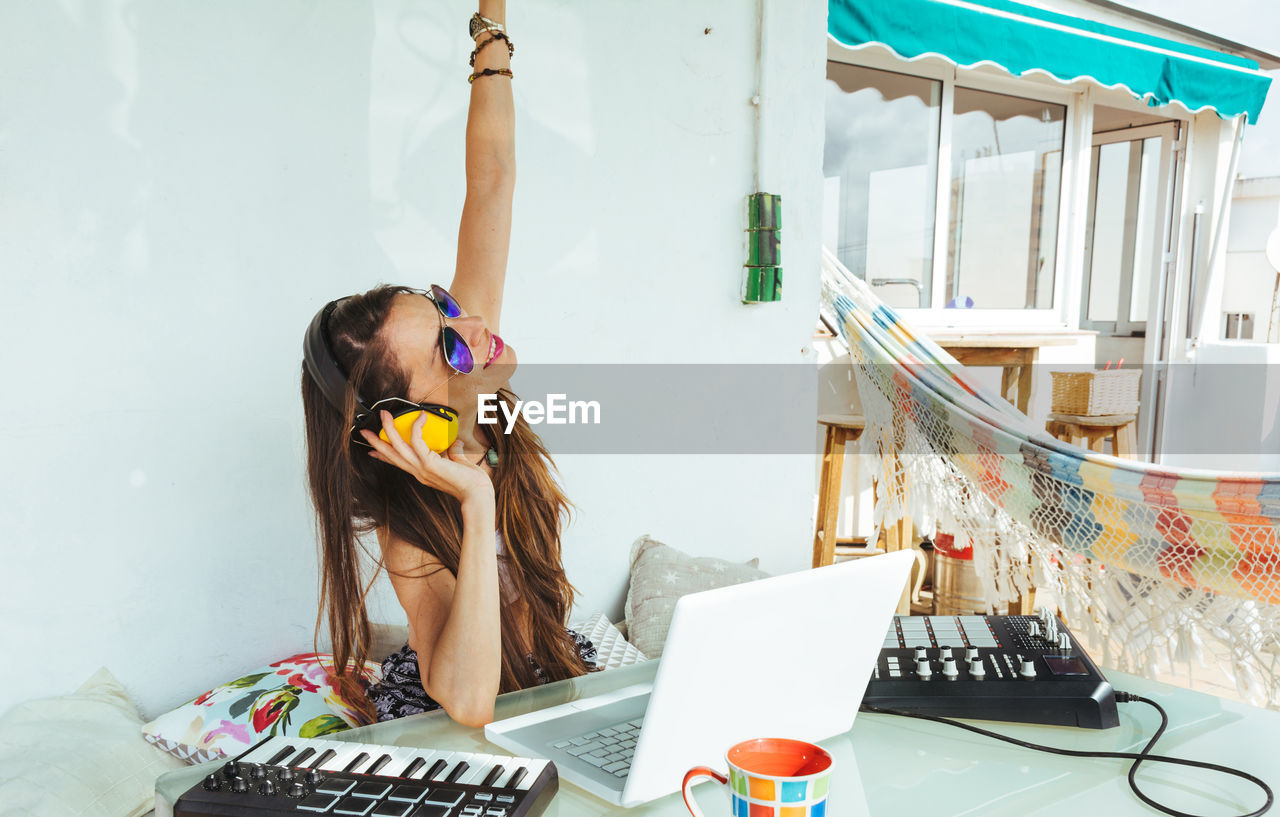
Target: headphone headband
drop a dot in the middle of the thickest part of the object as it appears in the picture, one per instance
(317, 354)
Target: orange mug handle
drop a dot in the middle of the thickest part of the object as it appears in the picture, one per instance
(691, 777)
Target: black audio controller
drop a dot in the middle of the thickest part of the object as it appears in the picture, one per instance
(1028, 669)
(284, 775)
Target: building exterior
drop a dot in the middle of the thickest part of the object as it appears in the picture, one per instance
(1061, 168)
(1250, 291)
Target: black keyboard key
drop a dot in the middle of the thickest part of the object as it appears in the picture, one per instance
(358, 806)
(356, 762)
(458, 771)
(444, 797)
(392, 809)
(281, 755)
(516, 777)
(414, 765)
(492, 776)
(371, 788)
(407, 793)
(436, 768)
(321, 759)
(317, 802)
(303, 756)
(378, 764)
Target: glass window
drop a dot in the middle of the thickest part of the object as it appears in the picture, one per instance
(881, 169)
(1006, 175)
(1106, 252)
(1125, 232)
(1145, 251)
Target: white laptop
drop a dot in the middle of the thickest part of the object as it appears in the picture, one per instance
(788, 656)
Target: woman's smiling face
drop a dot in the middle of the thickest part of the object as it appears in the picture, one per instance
(413, 332)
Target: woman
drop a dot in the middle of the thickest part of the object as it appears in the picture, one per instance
(486, 612)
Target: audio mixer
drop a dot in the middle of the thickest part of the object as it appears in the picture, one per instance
(1028, 669)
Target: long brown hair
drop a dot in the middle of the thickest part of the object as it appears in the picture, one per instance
(354, 495)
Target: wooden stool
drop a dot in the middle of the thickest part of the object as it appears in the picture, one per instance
(841, 429)
(1121, 428)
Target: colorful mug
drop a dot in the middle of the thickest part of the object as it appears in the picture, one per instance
(770, 777)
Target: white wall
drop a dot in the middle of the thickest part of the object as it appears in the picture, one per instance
(186, 183)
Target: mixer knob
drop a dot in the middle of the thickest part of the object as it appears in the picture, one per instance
(231, 769)
(977, 670)
(212, 782)
(949, 668)
(1028, 669)
(944, 653)
(313, 776)
(297, 790)
(1064, 641)
(971, 654)
(922, 654)
(267, 789)
(1033, 629)
(239, 785)
(923, 670)
(286, 774)
(256, 772)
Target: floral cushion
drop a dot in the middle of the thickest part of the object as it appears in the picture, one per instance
(293, 696)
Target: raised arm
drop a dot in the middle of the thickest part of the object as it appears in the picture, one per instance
(484, 236)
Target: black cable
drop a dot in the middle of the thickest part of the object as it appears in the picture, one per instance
(1138, 758)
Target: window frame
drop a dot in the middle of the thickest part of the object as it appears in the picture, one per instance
(991, 80)
(1124, 326)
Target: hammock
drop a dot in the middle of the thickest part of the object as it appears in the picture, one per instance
(1164, 569)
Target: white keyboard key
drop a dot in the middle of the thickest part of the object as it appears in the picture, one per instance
(533, 767)
(264, 750)
(342, 757)
(477, 767)
(439, 766)
(429, 757)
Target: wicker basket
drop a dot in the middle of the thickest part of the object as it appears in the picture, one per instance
(1096, 393)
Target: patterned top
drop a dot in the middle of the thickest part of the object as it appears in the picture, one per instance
(400, 691)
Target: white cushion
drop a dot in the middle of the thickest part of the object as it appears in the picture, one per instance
(612, 649)
(79, 755)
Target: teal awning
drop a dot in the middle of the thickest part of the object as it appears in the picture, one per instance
(1024, 39)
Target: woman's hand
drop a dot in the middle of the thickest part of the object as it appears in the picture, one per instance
(450, 472)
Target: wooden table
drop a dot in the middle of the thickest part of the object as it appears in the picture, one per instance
(1014, 351)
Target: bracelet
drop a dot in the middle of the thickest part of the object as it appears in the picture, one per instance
(491, 72)
(497, 35)
(479, 24)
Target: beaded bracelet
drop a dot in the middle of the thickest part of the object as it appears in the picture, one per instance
(497, 35)
(491, 72)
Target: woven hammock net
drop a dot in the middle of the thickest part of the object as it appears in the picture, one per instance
(1165, 570)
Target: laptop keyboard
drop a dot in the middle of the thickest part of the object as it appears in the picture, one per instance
(609, 749)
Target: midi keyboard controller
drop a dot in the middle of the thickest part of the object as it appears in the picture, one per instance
(1028, 669)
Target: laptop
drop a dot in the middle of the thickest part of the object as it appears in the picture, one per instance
(789, 656)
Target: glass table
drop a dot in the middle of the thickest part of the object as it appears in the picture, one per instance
(897, 766)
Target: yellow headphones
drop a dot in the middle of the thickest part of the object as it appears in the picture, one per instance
(438, 432)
